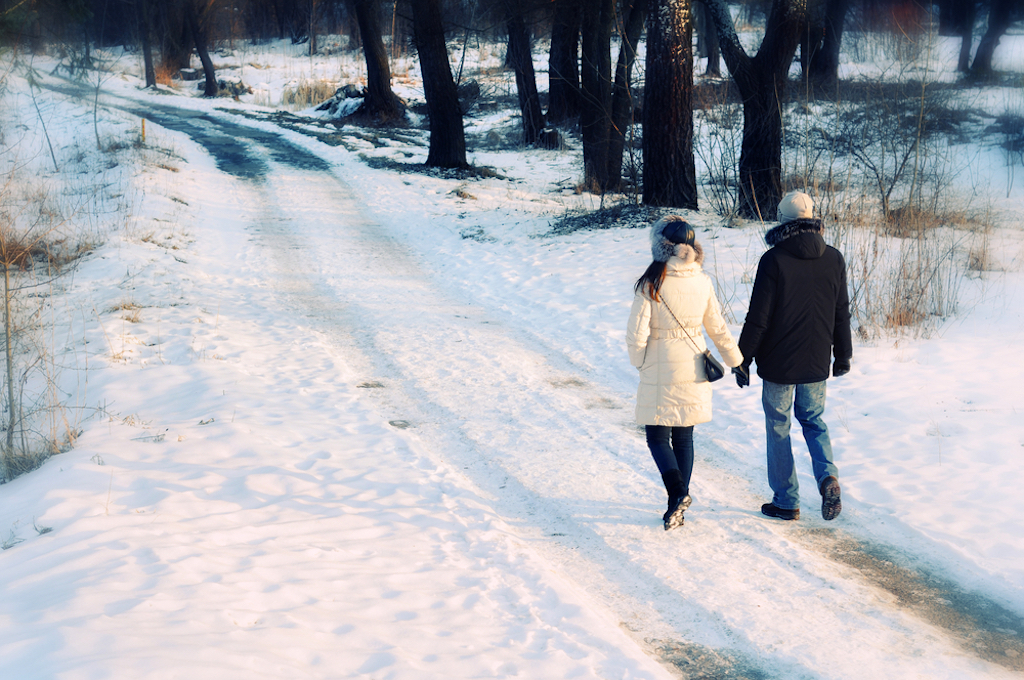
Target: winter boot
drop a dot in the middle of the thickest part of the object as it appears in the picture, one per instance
(831, 504)
(772, 510)
(676, 507)
(678, 499)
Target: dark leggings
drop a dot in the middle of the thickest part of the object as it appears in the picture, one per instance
(672, 449)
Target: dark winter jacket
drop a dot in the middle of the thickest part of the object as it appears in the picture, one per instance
(799, 309)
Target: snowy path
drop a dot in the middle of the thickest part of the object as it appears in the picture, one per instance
(392, 478)
(557, 457)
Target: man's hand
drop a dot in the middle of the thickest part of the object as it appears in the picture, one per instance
(840, 367)
(742, 373)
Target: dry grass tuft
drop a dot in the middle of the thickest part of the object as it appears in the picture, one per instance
(461, 192)
(19, 250)
(165, 74)
(307, 93)
(127, 304)
(909, 221)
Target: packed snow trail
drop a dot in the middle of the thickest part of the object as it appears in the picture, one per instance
(505, 430)
(563, 461)
(238, 509)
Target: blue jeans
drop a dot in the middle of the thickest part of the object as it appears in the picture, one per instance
(808, 407)
(672, 449)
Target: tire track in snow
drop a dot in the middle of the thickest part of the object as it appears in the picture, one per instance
(492, 412)
(521, 423)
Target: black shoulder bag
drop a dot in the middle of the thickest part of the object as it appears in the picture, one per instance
(712, 368)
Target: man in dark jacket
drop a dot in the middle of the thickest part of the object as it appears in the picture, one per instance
(799, 317)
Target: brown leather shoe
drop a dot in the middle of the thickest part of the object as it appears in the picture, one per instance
(780, 513)
(831, 504)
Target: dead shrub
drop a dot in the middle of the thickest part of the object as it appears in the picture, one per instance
(979, 259)
(718, 125)
(905, 298)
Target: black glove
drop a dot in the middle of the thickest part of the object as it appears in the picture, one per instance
(742, 373)
(840, 367)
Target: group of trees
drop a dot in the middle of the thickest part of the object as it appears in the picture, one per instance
(958, 18)
(584, 88)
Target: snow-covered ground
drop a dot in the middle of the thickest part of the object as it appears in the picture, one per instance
(339, 421)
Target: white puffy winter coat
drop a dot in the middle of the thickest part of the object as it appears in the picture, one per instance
(674, 390)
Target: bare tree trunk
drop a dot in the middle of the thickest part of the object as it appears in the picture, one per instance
(822, 59)
(707, 39)
(520, 58)
(142, 15)
(761, 81)
(1000, 16)
(194, 22)
(381, 103)
(956, 18)
(947, 17)
(595, 76)
(670, 178)
(563, 63)
(447, 136)
(622, 92)
(175, 39)
(314, 9)
(760, 168)
(966, 14)
(35, 38)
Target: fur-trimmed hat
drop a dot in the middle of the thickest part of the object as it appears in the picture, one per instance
(796, 205)
(668, 234)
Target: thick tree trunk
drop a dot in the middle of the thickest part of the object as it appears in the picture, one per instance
(520, 58)
(194, 24)
(314, 11)
(176, 42)
(823, 66)
(760, 156)
(669, 172)
(707, 39)
(563, 63)
(947, 17)
(36, 43)
(447, 136)
(956, 18)
(381, 104)
(966, 14)
(142, 16)
(595, 77)
(622, 92)
(1000, 16)
(761, 81)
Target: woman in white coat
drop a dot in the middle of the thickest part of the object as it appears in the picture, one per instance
(674, 300)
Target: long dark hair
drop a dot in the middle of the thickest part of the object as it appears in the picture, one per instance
(651, 280)
(666, 234)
